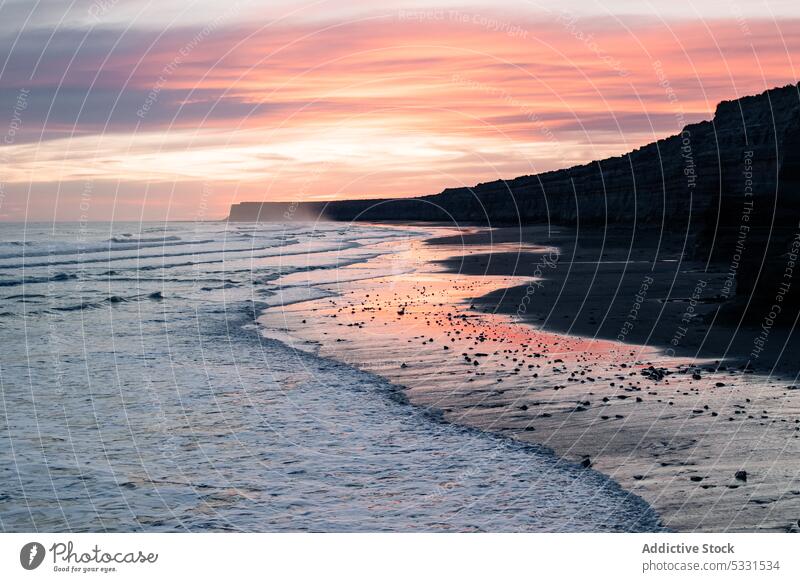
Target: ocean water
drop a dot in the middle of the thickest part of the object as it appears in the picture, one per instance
(137, 394)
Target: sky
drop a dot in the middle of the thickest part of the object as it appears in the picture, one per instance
(175, 109)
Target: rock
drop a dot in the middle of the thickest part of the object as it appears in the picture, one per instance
(586, 463)
(404, 365)
(655, 374)
(696, 478)
(741, 475)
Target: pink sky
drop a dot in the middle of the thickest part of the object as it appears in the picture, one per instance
(179, 122)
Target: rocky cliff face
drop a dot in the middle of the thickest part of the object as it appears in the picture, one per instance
(729, 186)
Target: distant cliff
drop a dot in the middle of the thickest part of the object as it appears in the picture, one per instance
(730, 186)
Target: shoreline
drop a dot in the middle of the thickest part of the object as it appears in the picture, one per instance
(664, 436)
(244, 433)
(686, 308)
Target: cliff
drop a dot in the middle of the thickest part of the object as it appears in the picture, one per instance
(730, 187)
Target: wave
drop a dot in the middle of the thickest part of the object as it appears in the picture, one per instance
(106, 279)
(129, 238)
(223, 286)
(223, 252)
(110, 300)
(114, 299)
(139, 257)
(32, 280)
(126, 245)
(294, 295)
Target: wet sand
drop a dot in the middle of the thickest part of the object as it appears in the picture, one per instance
(518, 333)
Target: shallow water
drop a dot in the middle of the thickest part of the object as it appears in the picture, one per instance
(137, 394)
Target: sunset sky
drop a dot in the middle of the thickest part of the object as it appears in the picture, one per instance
(140, 109)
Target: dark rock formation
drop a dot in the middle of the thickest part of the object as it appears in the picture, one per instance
(729, 187)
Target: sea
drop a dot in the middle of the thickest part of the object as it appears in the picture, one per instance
(137, 393)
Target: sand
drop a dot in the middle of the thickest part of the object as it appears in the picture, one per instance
(618, 359)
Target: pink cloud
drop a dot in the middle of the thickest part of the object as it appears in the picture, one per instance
(462, 101)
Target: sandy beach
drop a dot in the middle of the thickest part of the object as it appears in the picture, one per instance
(612, 352)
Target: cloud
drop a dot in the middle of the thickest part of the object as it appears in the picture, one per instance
(389, 104)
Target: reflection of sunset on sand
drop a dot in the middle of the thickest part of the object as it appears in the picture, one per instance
(674, 430)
